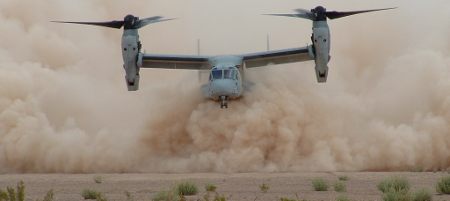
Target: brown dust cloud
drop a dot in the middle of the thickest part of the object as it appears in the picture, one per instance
(64, 107)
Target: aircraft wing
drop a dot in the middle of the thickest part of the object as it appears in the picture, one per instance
(285, 56)
(188, 62)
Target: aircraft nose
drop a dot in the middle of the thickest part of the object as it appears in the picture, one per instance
(223, 87)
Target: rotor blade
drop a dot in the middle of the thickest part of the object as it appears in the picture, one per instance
(299, 15)
(337, 14)
(111, 24)
(301, 10)
(305, 13)
(150, 20)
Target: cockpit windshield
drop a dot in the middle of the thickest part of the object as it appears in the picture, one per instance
(230, 74)
(217, 74)
(224, 74)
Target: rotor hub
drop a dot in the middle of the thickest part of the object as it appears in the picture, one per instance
(130, 21)
(320, 13)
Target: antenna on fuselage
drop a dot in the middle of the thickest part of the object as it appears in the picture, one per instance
(198, 47)
(200, 72)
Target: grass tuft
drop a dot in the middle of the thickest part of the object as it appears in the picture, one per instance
(101, 198)
(220, 198)
(397, 189)
(129, 196)
(286, 199)
(289, 199)
(343, 178)
(186, 188)
(342, 198)
(50, 196)
(394, 184)
(98, 179)
(401, 195)
(21, 191)
(340, 186)
(264, 188)
(89, 194)
(210, 188)
(11, 194)
(422, 195)
(3, 195)
(443, 185)
(166, 196)
(320, 184)
(217, 197)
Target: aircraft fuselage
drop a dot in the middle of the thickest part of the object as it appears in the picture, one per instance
(225, 79)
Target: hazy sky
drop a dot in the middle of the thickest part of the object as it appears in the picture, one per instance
(64, 105)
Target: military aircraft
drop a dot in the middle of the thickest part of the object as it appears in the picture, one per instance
(226, 71)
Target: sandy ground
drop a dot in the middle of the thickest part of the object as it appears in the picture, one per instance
(245, 186)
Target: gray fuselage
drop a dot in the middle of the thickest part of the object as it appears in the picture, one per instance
(130, 51)
(225, 79)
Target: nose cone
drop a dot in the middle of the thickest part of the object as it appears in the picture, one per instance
(224, 87)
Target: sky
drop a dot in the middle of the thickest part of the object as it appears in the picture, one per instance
(64, 107)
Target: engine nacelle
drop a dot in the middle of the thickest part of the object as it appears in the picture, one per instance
(321, 69)
(132, 76)
(130, 53)
(321, 41)
(132, 79)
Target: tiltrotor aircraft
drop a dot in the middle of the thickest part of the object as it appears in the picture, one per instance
(226, 71)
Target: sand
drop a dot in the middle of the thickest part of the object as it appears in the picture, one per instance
(243, 186)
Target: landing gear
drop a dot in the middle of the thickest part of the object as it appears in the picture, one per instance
(223, 102)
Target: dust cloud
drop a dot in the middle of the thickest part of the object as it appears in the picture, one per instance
(64, 106)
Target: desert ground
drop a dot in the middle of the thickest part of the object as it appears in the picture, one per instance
(236, 187)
